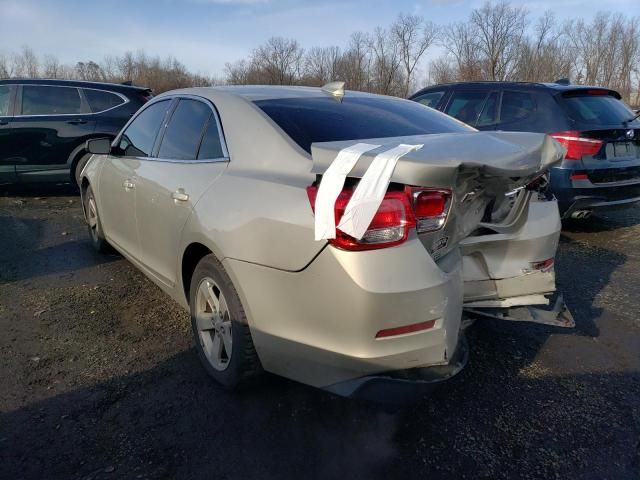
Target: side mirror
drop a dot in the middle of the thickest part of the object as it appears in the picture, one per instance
(99, 146)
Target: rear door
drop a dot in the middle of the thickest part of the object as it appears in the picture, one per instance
(474, 106)
(518, 111)
(191, 155)
(7, 165)
(50, 122)
(119, 176)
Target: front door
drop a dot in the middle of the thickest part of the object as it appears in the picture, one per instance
(191, 156)
(50, 122)
(119, 177)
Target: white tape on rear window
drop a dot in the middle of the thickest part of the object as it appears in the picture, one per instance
(331, 186)
(369, 193)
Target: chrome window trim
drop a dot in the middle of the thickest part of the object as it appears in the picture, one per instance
(171, 160)
(22, 85)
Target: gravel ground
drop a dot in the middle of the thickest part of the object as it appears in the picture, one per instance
(99, 379)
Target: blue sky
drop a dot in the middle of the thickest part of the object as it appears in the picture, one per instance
(205, 34)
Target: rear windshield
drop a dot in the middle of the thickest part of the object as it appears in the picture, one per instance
(596, 109)
(319, 119)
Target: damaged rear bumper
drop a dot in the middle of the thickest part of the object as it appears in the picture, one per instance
(403, 387)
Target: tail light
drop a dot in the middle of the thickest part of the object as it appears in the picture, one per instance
(400, 211)
(577, 146)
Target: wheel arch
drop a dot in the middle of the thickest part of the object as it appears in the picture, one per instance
(192, 255)
(78, 152)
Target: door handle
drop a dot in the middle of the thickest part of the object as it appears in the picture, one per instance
(4, 122)
(78, 121)
(180, 196)
(128, 185)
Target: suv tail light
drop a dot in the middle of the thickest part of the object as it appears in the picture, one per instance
(401, 211)
(577, 146)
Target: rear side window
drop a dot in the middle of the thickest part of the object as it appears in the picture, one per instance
(45, 100)
(597, 109)
(5, 92)
(466, 105)
(184, 131)
(430, 99)
(99, 100)
(139, 137)
(516, 106)
(211, 145)
(323, 119)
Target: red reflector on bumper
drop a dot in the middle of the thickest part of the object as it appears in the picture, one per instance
(416, 327)
(579, 176)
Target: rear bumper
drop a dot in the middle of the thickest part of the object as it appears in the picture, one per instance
(318, 326)
(403, 387)
(574, 195)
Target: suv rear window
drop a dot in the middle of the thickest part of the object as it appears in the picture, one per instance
(599, 109)
(323, 119)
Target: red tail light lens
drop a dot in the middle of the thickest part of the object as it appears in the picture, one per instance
(430, 206)
(399, 212)
(577, 146)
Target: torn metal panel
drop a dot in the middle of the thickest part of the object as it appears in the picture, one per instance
(558, 316)
(509, 302)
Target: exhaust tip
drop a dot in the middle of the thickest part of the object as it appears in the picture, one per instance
(581, 214)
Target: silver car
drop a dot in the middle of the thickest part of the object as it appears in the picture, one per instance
(211, 193)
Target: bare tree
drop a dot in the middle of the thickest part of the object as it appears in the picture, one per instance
(386, 63)
(413, 36)
(500, 29)
(52, 67)
(280, 59)
(460, 41)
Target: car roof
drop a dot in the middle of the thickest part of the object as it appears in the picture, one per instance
(121, 87)
(254, 93)
(560, 87)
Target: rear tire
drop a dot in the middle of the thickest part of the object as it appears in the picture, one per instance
(96, 234)
(80, 164)
(220, 330)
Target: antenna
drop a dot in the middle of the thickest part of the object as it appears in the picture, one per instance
(335, 89)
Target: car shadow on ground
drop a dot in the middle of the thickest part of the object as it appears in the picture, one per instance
(31, 257)
(39, 190)
(493, 421)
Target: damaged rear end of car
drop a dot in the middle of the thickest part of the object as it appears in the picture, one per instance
(470, 210)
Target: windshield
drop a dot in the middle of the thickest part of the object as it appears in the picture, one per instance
(597, 109)
(323, 119)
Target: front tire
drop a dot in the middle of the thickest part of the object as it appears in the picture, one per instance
(220, 330)
(96, 234)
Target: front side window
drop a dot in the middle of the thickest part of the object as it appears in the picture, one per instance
(184, 131)
(5, 95)
(47, 100)
(430, 99)
(466, 105)
(516, 106)
(138, 139)
(99, 100)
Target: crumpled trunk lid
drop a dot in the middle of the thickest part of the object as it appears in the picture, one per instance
(480, 168)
